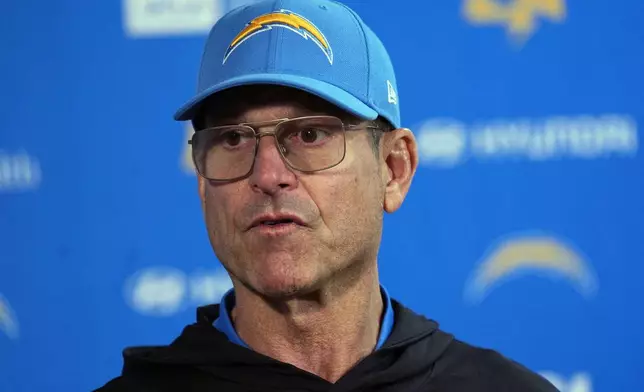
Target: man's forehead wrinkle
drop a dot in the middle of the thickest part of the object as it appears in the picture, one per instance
(239, 113)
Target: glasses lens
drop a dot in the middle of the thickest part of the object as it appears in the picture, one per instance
(224, 153)
(312, 143)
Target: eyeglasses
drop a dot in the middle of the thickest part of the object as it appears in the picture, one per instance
(307, 144)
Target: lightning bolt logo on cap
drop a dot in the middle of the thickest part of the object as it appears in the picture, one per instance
(286, 19)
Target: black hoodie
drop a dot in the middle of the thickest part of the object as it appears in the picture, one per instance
(417, 357)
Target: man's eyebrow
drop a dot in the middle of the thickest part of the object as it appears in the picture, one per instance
(210, 122)
(214, 120)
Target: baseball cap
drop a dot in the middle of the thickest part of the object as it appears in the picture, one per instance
(318, 46)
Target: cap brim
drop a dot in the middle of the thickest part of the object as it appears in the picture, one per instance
(326, 91)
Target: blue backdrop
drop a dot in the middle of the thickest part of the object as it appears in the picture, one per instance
(523, 231)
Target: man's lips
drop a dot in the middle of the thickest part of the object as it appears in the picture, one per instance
(274, 220)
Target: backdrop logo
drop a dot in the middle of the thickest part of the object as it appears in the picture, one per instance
(8, 319)
(534, 254)
(286, 19)
(446, 143)
(520, 17)
(19, 172)
(165, 291)
(442, 142)
(153, 18)
(578, 382)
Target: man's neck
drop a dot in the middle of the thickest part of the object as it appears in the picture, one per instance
(324, 333)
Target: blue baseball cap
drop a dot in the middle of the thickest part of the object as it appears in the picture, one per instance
(319, 46)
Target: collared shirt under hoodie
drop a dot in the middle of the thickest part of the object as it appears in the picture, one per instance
(225, 324)
(416, 357)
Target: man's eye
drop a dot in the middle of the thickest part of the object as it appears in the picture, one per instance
(312, 135)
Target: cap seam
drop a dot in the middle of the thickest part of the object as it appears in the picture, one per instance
(203, 57)
(275, 41)
(366, 44)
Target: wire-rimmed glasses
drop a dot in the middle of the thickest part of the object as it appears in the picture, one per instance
(306, 144)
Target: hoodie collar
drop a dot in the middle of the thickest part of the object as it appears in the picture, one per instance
(404, 362)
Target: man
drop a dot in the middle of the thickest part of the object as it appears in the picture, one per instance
(299, 150)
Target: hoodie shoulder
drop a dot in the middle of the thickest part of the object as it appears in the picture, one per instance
(456, 366)
(466, 367)
(120, 384)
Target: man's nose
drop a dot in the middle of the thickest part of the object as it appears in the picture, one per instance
(270, 173)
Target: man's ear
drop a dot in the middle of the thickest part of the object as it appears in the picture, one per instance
(400, 153)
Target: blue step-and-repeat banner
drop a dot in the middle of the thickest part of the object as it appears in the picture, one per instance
(523, 231)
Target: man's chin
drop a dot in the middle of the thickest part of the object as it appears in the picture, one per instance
(276, 289)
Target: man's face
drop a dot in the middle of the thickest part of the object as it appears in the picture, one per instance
(339, 210)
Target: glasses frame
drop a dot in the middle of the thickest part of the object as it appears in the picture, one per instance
(278, 123)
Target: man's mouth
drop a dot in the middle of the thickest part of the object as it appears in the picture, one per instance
(277, 222)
